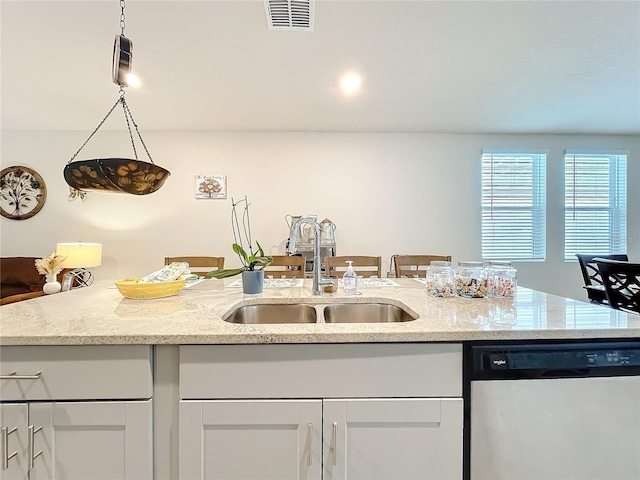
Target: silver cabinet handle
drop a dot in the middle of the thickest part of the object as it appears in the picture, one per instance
(32, 457)
(5, 446)
(334, 441)
(309, 437)
(14, 376)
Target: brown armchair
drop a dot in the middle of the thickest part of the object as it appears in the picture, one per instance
(19, 279)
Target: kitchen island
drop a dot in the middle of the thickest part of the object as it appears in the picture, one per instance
(166, 388)
(99, 315)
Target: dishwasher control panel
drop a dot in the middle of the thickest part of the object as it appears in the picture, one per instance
(553, 360)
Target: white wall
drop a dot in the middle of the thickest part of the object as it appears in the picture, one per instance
(387, 193)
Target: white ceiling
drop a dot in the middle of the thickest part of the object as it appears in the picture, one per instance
(427, 66)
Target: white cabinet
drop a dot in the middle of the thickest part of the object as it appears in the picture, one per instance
(232, 440)
(399, 439)
(77, 440)
(76, 413)
(14, 420)
(364, 411)
(394, 439)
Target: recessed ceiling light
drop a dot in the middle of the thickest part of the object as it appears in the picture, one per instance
(350, 83)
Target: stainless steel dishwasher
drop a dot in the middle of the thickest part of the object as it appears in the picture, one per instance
(553, 411)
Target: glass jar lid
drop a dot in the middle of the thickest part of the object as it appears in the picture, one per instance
(499, 263)
(470, 264)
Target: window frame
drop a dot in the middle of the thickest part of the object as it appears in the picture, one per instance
(531, 198)
(617, 180)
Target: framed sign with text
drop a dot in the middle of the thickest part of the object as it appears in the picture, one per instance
(211, 186)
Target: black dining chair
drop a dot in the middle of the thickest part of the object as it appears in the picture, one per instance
(621, 283)
(592, 279)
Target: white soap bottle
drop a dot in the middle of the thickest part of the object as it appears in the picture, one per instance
(350, 279)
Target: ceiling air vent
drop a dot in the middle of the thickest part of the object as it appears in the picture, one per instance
(289, 14)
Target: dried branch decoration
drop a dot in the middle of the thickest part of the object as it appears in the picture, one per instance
(51, 265)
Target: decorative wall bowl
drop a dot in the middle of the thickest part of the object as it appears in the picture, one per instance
(115, 175)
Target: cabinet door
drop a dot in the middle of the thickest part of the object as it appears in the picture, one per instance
(393, 439)
(13, 441)
(92, 440)
(256, 439)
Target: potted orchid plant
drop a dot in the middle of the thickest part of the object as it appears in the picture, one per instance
(253, 259)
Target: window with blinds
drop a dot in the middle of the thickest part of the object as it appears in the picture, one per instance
(514, 206)
(595, 204)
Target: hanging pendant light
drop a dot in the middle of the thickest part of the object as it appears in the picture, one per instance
(124, 175)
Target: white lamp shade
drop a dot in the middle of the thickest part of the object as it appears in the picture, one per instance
(80, 254)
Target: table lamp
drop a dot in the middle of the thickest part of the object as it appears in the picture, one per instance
(79, 256)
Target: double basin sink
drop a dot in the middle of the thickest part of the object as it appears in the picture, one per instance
(272, 313)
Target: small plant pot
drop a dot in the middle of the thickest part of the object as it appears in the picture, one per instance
(252, 281)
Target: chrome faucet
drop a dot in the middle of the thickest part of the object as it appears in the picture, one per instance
(317, 269)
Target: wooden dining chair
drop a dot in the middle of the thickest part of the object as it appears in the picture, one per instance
(286, 266)
(364, 266)
(590, 274)
(199, 265)
(621, 282)
(415, 265)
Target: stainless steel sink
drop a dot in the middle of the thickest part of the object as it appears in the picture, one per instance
(365, 313)
(273, 313)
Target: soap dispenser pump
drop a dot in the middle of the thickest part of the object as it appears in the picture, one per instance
(350, 279)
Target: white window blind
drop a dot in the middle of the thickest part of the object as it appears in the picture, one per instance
(513, 206)
(595, 204)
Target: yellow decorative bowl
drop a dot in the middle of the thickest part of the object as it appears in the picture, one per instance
(130, 288)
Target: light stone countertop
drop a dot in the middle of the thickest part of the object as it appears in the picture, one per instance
(100, 315)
